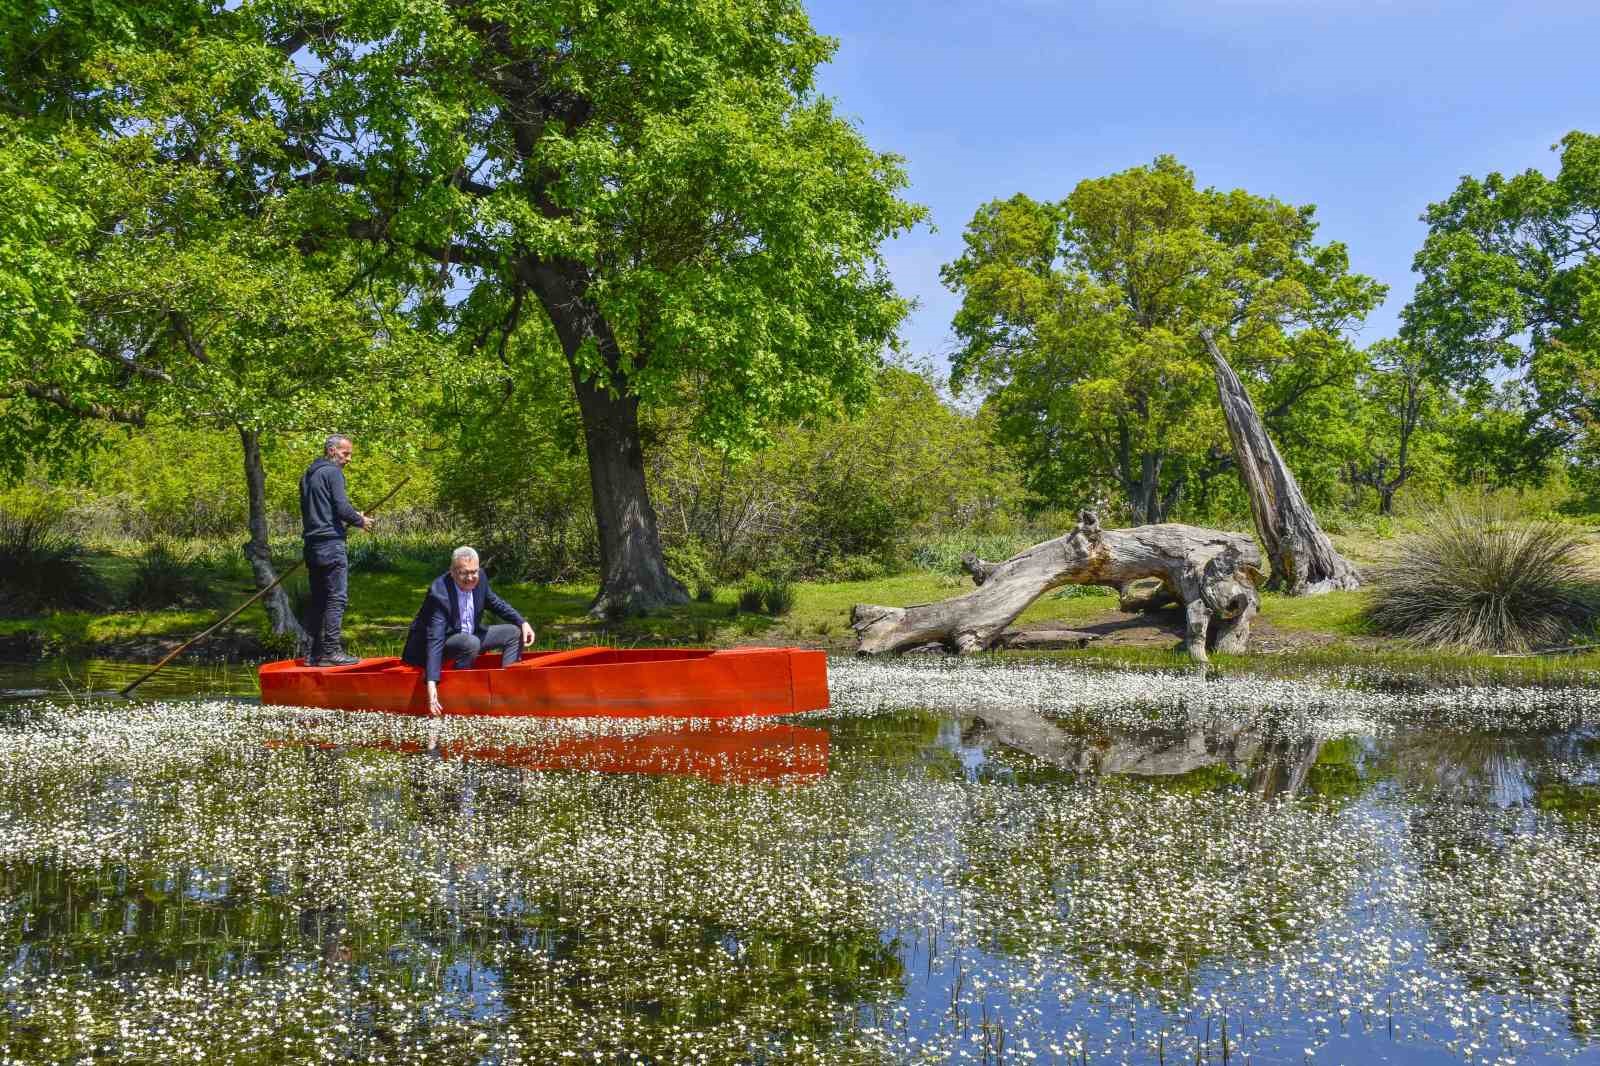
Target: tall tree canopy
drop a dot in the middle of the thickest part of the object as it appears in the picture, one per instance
(151, 274)
(657, 184)
(655, 189)
(1510, 297)
(1081, 319)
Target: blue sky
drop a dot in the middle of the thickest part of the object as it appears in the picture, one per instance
(1369, 110)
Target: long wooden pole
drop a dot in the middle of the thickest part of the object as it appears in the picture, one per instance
(231, 615)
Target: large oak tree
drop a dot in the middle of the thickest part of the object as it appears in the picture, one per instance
(149, 275)
(656, 186)
(1080, 319)
(1510, 303)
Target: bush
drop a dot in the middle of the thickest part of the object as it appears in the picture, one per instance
(770, 595)
(373, 555)
(168, 576)
(224, 562)
(857, 568)
(41, 568)
(687, 561)
(1480, 579)
(777, 595)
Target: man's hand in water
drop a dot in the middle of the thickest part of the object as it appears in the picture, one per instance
(434, 706)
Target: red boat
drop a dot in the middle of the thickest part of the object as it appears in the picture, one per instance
(624, 682)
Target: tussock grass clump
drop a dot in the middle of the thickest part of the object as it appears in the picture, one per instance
(768, 595)
(1478, 578)
(42, 568)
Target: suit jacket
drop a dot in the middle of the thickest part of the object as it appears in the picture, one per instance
(440, 616)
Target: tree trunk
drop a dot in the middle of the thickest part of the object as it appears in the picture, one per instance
(279, 611)
(1303, 559)
(1213, 574)
(633, 570)
(1386, 499)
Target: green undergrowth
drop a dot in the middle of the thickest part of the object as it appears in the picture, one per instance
(1363, 663)
(1343, 613)
(382, 605)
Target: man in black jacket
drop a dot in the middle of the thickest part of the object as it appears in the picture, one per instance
(325, 514)
(450, 624)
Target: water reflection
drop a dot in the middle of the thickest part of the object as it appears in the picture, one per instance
(224, 877)
(1265, 753)
(719, 751)
(68, 679)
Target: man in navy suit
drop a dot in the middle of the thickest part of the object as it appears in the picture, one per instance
(450, 623)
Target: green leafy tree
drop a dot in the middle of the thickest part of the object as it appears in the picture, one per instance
(1510, 296)
(1080, 319)
(839, 494)
(155, 278)
(1401, 415)
(657, 185)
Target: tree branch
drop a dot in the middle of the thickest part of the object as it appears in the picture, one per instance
(54, 394)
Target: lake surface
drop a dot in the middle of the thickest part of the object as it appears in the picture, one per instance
(958, 863)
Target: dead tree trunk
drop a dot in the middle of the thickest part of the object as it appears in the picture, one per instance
(1213, 574)
(1304, 561)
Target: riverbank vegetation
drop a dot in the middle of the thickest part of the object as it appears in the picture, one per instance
(640, 347)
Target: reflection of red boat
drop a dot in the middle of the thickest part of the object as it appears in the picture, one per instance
(770, 753)
(632, 682)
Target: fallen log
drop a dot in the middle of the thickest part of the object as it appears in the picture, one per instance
(1212, 573)
(1051, 639)
(1304, 560)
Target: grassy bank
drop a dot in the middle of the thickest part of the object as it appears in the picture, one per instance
(1294, 636)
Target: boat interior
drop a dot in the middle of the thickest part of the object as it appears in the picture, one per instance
(574, 657)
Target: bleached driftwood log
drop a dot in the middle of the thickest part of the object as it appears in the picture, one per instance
(1304, 560)
(1213, 574)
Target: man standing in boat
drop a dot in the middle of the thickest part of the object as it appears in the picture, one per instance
(450, 624)
(325, 514)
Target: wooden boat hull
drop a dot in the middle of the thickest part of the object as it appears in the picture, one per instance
(623, 682)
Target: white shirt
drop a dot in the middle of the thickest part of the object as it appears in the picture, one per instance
(464, 597)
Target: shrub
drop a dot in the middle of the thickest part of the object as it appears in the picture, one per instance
(857, 568)
(1479, 579)
(41, 568)
(168, 576)
(686, 561)
(771, 595)
(223, 561)
(777, 595)
(373, 555)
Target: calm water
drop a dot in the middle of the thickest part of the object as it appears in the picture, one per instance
(958, 863)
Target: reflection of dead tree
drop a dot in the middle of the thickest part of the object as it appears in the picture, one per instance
(1212, 573)
(1284, 765)
(1275, 763)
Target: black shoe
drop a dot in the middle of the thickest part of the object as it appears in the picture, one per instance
(338, 658)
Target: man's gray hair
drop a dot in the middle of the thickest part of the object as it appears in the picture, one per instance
(333, 441)
(463, 554)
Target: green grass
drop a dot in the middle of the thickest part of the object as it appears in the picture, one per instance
(1343, 613)
(1377, 664)
(382, 605)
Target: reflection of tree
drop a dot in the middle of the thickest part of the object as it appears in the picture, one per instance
(1172, 850)
(1511, 897)
(283, 903)
(1262, 752)
(1472, 766)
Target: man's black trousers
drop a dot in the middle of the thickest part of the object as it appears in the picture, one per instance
(328, 565)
